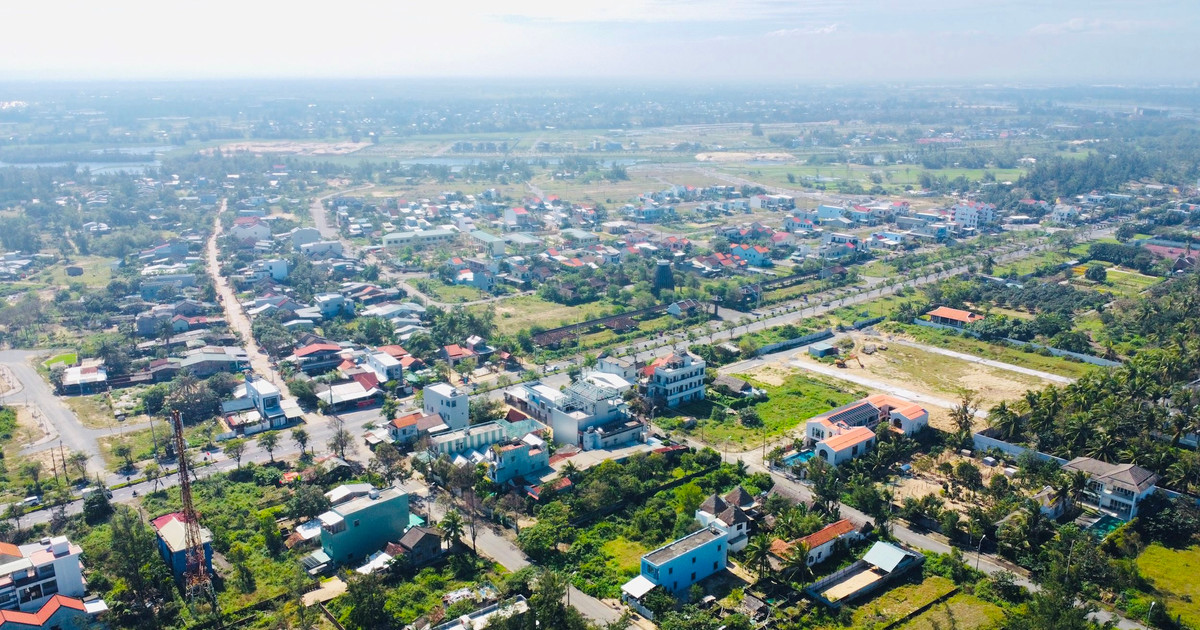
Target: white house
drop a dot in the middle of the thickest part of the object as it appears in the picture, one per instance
(971, 214)
(449, 402)
(1114, 488)
(676, 378)
(820, 544)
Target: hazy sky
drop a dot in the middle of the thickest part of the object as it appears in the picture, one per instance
(790, 40)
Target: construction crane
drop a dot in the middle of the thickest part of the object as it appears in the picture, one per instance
(196, 580)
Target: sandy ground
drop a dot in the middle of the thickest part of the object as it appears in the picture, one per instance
(738, 156)
(925, 483)
(294, 148)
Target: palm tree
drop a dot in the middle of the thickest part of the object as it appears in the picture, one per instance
(452, 527)
(389, 407)
(796, 563)
(758, 552)
(570, 471)
(1004, 419)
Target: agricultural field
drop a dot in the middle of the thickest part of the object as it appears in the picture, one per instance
(1173, 572)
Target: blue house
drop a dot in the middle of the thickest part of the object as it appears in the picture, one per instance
(678, 565)
(172, 543)
(351, 531)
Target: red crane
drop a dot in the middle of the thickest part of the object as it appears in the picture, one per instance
(196, 580)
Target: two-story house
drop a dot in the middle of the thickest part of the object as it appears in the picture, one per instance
(1116, 489)
(172, 543)
(353, 530)
(31, 574)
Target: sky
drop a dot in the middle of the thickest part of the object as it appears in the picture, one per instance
(789, 41)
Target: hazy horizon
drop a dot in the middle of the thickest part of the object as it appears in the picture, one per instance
(1073, 42)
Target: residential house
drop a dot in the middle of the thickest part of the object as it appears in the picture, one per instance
(971, 215)
(828, 214)
(1065, 214)
(419, 546)
(819, 545)
(449, 402)
(519, 458)
(171, 530)
(755, 255)
(1115, 489)
(798, 225)
(330, 305)
(715, 512)
(58, 613)
(252, 229)
(315, 358)
(353, 530)
(85, 379)
(31, 574)
(676, 378)
(419, 238)
(947, 316)
(678, 565)
(583, 414)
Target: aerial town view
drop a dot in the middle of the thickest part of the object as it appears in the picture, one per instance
(603, 316)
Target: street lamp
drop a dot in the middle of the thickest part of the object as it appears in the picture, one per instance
(979, 551)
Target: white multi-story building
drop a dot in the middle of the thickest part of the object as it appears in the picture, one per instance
(1114, 488)
(31, 574)
(676, 378)
(971, 215)
(584, 414)
(385, 366)
(448, 402)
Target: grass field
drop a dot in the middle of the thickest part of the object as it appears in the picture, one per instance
(1007, 354)
(525, 311)
(1173, 573)
(901, 601)
(1029, 264)
(961, 611)
(66, 358)
(93, 411)
(453, 293)
(96, 272)
(791, 399)
(626, 555)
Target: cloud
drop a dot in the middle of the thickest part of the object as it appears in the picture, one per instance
(1091, 26)
(659, 11)
(808, 30)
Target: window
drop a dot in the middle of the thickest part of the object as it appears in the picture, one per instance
(356, 522)
(693, 576)
(714, 565)
(693, 559)
(670, 570)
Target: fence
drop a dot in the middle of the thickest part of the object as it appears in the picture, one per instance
(984, 442)
(1086, 358)
(793, 343)
(863, 323)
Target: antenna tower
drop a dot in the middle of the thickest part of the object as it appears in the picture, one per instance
(196, 580)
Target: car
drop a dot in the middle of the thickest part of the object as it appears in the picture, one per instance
(32, 501)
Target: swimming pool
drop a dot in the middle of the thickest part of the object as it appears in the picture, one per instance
(1105, 526)
(797, 458)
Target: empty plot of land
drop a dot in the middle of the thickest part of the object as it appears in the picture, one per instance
(962, 611)
(853, 583)
(525, 311)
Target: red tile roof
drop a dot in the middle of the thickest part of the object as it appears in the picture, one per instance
(43, 615)
(314, 348)
(954, 314)
(395, 351)
(830, 532)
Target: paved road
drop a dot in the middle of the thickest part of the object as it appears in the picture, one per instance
(499, 548)
(56, 416)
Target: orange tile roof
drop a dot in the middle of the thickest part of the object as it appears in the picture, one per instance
(854, 436)
(954, 314)
(407, 421)
(830, 532)
(43, 615)
(9, 549)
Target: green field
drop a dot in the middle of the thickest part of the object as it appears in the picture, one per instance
(1124, 283)
(626, 555)
(788, 405)
(96, 272)
(1031, 263)
(961, 611)
(66, 358)
(452, 294)
(514, 314)
(1173, 573)
(901, 601)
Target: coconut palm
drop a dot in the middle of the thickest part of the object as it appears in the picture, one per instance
(758, 552)
(1005, 420)
(795, 564)
(452, 527)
